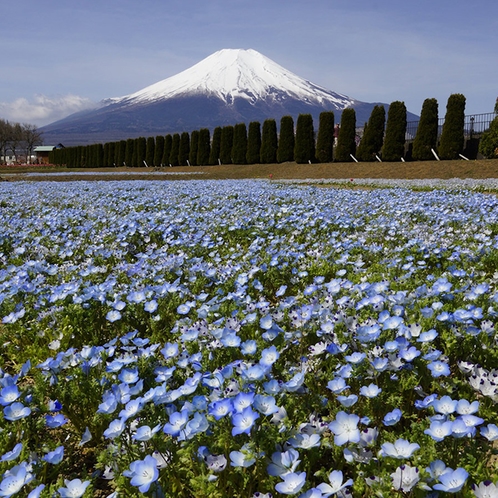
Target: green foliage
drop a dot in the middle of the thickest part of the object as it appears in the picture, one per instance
(204, 147)
(488, 146)
(239, 146)
(214, 154)
(394, 142)
(325, 140)
(346, 141)
(286, 142)
(253, 143)
(159, 151)
(373, 135)
(184, 148)
(452, 136)
(194, 148)
(149, 151)
(269, 142)
(168, 144)
(304, 149)
(226, 145)
(175, 150)
(427, 131)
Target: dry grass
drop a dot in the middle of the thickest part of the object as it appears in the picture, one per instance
(486, 168)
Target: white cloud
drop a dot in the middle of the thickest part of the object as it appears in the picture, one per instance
(42, 110)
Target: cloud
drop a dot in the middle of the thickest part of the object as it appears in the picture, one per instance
(42, 110)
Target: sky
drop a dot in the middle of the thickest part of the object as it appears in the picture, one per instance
(62, 56)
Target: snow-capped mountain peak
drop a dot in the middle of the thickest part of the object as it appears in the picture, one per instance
(236, 73)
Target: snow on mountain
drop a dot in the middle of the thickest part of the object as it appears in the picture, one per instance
(235, 73)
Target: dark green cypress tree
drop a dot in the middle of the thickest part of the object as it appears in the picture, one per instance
(286, 141)
(168, 144)
(325, 139)
(130, 145)
(150, 147)
(269, 142)
(239, 146)
(175, 149)
(427, 130)
(488, 145)
(214, 154)
(346, 141)
(194, 148)
(373, 135)
(204, 147)
(253, 143)
(394, 141)
(120, 153)
(159, 151)
(141, 148)
(304, 150)
(184, 149)
(99, 155)
(226, 144)
(106, 154)
(112, 154)
(452, 135)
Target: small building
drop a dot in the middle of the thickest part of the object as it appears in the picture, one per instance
(42, 151)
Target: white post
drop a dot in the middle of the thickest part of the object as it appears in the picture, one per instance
(219, 161)
(463, 157)
(146, 165)
(354, 158)
(435, 155)
(378, 158)
(402, 160)
(188, 164)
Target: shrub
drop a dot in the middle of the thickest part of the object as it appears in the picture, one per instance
(168, 144)
(269, 142)
(394, 142)
(149, 151)
(325, 140)
(194, 148)
(239, 146)
(214, 154)
(373, 135)
(286, 142)
(158, 151)
(253, 143)
(175, 149)
(452, 137)
(226, 144)
(304, 151)
(427, 130)
(204, 147)
(488, 145)
(346, 141)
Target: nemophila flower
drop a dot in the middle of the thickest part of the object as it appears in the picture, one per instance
(183, 309)
(283, 463)
(392, 418)
(337, 385)
(242, 401)
(405, 477)
(409, 354)
(485, 489)
(243, 422)
(12, 454)
(220, 408)
(170, 350)
(144, 433)
(391, 346)
(452, 481)
(37, 491)
(87, 436)
(143, 473)
(337, 483)
(370, 391)
(196, 425)
(392, 323)
(129, 375)
(216, 463)
(109, 403)
(54, 421)
(426, 402)
(345, 428)
(292, 483)
(248, 347)
(253, 373)
(305, 441)
(177, 422)
(266, 405)
(401, 448)
(9, 394)
(113, 316)
(74, 489)
(460, 429)
(151, 306)
(464, 407)
(490, 432)
(55, 457)
(115, 429)
(439, 429)
(380, 364)
(347, 401)
(269, 356)
(439, 369)
(16, 411)
(131, 409)
(14, 480)
(445, 405)
(428, 336)
(356, 358)
(243, 458)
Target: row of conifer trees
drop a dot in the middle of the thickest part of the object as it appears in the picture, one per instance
(255, 144)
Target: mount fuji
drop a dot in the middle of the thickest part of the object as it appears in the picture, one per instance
(228, 87)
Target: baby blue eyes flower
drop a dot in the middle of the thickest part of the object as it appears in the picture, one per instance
(151, 306)
(452, 481)
(269, 356)
(244, 421)
(347, 401)
(56, 456)
(113, 316)
(392, 418)
(54, 421)
(115, 429)
(13, 454)
(143, 473)
(337, 385)
(490, 432)
(439, 369)
(16, 411)
(183, 309)
(74, 489)
(283, 463)
(345, 428)
(9, 394)
(405, 477)
(336, 483)
(485, 490)
(292, 483)
(145, 433)
(400, 449)
(445, 405)
(370, 391)
(14, 480)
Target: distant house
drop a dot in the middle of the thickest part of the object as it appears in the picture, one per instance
(41, 152)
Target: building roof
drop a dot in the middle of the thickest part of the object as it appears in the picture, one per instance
(47, 148)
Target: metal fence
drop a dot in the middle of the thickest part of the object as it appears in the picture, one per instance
(474, 125)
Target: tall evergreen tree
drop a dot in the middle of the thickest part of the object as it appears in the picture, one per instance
(159, 151)
(452, 135)
(253, 143)
(106, 154)
(427, 131)
(130, 145)
(168, 145)
(269, 142)
(286, 141)
(149, 151)
(226, 144)
(325, 139)
(394, 141)
(194, 148)
(346, 141)
(214, 154)
(304, 150)
(239, 146)
(204, 147)
(175, 149)
(373, 135)
(184, 148)
(120, 153)
(141, 148)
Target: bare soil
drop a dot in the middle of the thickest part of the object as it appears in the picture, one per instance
(485, 168)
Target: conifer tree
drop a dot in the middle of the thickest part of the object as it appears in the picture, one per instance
(269, 142)
(452, 135)
(106, 154)
(168, 144)
(204, 147)
(175, 150)
(130, 145)
(304, 150)
(346, 141)
(427, 131)
(140, 150)
(184, 148)
(194, 148)
(286, 141)
(253, 143)
(325, 139)
(159, 151)
(149, 151)
(226, 144)
(239, 146)
(394, 141)
(214, 154)
(373, 135)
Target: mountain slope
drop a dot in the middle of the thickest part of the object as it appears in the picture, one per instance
(228, 87)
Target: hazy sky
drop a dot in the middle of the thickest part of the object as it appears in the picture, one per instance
(59, 56)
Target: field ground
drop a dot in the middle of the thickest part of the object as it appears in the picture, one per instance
(481, 169)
